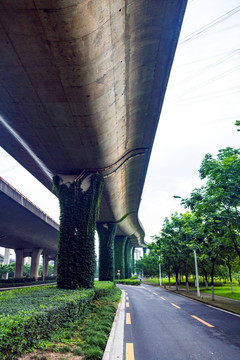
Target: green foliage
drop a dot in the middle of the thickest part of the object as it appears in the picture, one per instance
(148, 265)
(119, 255)
(128, 259)
(128, 282)
(134, 277)
(78, 213)
(16, 282)
(106, 234)
(33, 314)
(212, 226)
(225, 291)
(93, 353)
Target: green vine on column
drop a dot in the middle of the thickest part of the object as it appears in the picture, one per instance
(78, 214)
(128, 259)
(106, 233)
(119, 253)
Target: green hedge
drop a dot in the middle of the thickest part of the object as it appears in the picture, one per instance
(28, 315)
(128, 282)
(25, 282)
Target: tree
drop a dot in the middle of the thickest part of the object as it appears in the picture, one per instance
(148, 264)
(174, 245)
(223, 187)
(211, 243)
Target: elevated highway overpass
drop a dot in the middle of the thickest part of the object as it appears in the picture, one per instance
(82, 84)
(26, 229)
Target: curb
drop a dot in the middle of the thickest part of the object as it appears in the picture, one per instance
(114, 348)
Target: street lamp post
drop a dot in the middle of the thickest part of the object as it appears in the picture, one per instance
(196, 270)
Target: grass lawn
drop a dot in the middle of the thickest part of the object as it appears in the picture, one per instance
(225, 291)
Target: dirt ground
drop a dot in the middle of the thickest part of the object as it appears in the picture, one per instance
(48, 355)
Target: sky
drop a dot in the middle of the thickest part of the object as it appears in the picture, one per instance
(200, 108)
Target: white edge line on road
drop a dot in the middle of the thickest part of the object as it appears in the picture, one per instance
(226, 311)
(114, 348)
(201, 302)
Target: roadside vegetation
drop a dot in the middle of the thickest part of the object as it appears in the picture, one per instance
(9, 269)
(132, 281)
(47, 320)
(210, 227)
(221, 287)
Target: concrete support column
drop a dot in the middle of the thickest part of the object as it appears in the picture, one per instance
(133, 260)
(119, 254)
(45, 265)
(35, 263)
(106, 234)
(18, 273)
(144, 251)
(6, 261)
(128, 259)
(55, 267)
(79, 199)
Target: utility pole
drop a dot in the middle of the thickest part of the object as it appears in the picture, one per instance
(196, 270)
(160, 272)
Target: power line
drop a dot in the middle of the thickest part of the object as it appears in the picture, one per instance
(225, 53)
(206, 96)
(209, 81)
(197, 33)
(210, 66)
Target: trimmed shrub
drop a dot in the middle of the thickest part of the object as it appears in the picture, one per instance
(33, 312)
(128, 282)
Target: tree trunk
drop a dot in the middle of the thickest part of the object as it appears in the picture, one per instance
(230, 275)
(176, 280)
(212, 281)
(206, 279)
(186, 274)
(169, 279)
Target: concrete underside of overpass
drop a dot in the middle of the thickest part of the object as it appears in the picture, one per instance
(81, 87)
(23, 225)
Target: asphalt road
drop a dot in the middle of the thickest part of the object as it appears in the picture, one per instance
(160, 325)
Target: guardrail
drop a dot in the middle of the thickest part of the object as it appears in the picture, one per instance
(12, 187)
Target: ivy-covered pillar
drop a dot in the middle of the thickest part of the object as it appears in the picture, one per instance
(79, 202)
(128, 259)
(133, 260)
(106, 234)
(144, 251)
(119, 255)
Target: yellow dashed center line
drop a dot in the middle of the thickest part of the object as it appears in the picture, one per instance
(127, 298)
(128, 319)
(176, 306)
(155, 293)
(163, 298)
(127, 304)
(202, 321)
(129, 351)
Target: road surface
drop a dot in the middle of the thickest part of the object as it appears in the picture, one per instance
(161, 325)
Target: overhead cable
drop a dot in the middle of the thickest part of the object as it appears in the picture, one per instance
(197, 33)
(209, 81)
(210, 66)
